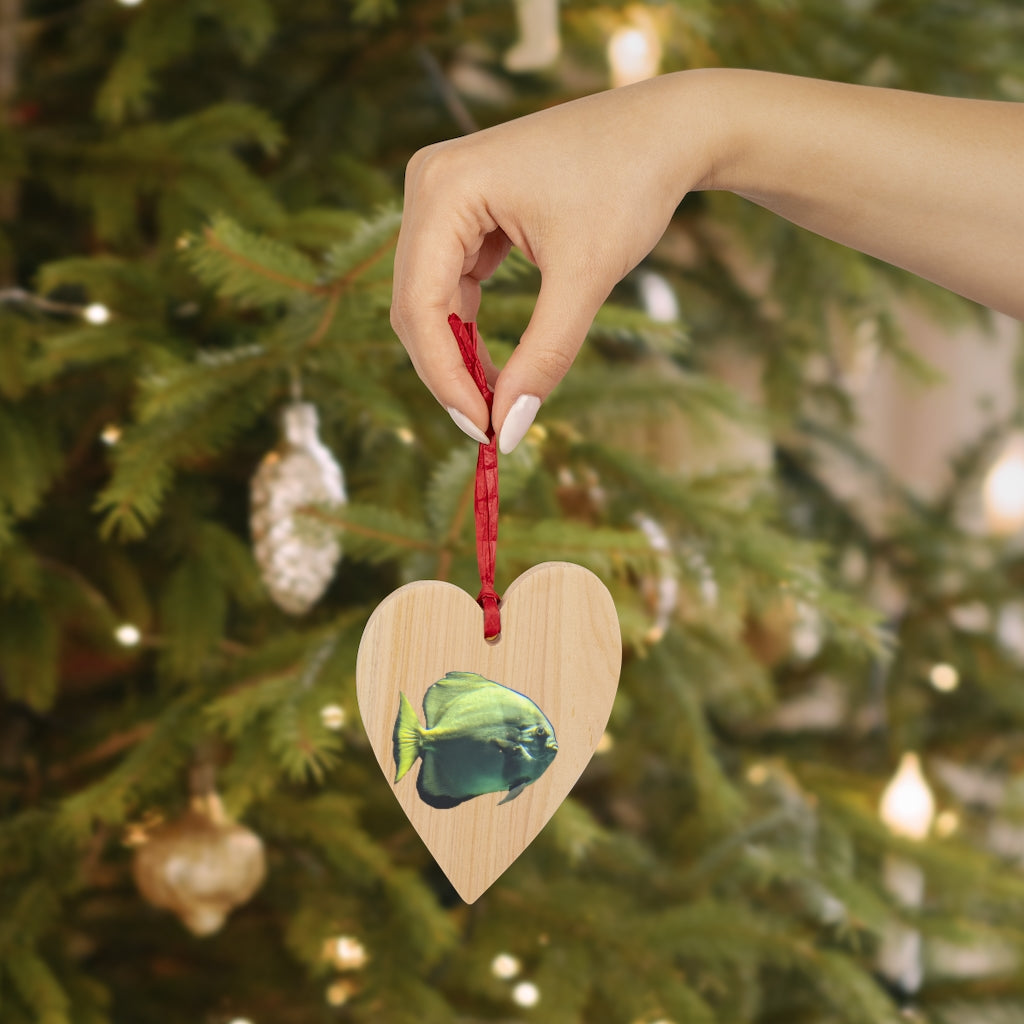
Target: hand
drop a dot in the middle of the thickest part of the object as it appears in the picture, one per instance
(929, 183)
(584, 189)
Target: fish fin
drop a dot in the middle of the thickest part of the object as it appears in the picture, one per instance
(439, 800)
(430, 787)
(515, 789)
(454, 685)
(407, 738)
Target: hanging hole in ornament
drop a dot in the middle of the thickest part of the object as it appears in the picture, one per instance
(491, 606)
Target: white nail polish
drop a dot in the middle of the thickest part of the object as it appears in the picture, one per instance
(467, 426)
(517, 422)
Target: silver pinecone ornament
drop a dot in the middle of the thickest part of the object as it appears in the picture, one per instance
(296, 555)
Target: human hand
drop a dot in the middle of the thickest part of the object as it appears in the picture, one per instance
(584, 190)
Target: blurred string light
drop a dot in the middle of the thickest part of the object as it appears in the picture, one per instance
(127, 635)
(110, 434)
(505, 966)
(947, 823)
(944, 678)
(332, 716)
(526, 994)
(337, 993)
(634, 49)
(1003, 490)
(129, 3)
(96, 313)
(346, 953)
(908, 806)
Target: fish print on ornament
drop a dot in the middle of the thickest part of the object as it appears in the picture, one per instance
(480, 737)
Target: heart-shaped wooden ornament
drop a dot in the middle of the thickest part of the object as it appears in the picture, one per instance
(486, 729)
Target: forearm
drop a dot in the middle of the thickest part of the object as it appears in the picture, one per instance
(932, 184)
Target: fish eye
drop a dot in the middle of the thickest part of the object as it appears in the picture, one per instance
(540, 731)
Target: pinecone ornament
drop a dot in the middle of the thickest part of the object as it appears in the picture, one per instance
(296, 555)
(200, 866)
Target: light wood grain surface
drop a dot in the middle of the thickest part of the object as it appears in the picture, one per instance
(560, 646)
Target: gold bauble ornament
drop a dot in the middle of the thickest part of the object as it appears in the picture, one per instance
(296, 556)
(200, 866)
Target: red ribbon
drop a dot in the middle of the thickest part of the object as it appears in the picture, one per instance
(485, 493)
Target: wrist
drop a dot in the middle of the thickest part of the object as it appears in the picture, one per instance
(721, 99)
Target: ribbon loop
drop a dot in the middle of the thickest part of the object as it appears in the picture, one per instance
(485, 491)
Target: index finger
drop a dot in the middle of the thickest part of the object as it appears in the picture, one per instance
(430, 266)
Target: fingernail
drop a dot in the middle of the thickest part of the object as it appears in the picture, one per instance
(517, 422)
(467, 426)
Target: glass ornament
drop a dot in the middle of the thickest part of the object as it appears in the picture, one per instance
(200, 866)
(297, 556)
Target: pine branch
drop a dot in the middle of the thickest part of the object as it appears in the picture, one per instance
(237, 711)
(373, 534)
(353, 258)
(130, 287)
(170, 388)
(606, 552)
(6, 528)
(193, 614)
(249, 25)
(648, 391)
(29, 646)
(31, 913)
(157, 37)
(148, 768)
(103, 751)
(372, 11)
(29, 457)
(255, 271)
(303, 748)
(450, 488)
(148, 453)
(38, 987)
(195, 152)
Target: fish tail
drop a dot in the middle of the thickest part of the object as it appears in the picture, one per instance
(407, 738)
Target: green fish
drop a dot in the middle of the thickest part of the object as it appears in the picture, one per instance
(480, 737)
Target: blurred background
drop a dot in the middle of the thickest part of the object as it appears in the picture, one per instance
(800, 472)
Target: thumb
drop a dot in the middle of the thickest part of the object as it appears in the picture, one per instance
(560, 321)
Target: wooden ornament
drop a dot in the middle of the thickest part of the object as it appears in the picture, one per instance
(559, 648)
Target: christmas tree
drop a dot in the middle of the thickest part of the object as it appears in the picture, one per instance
(216, 460)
